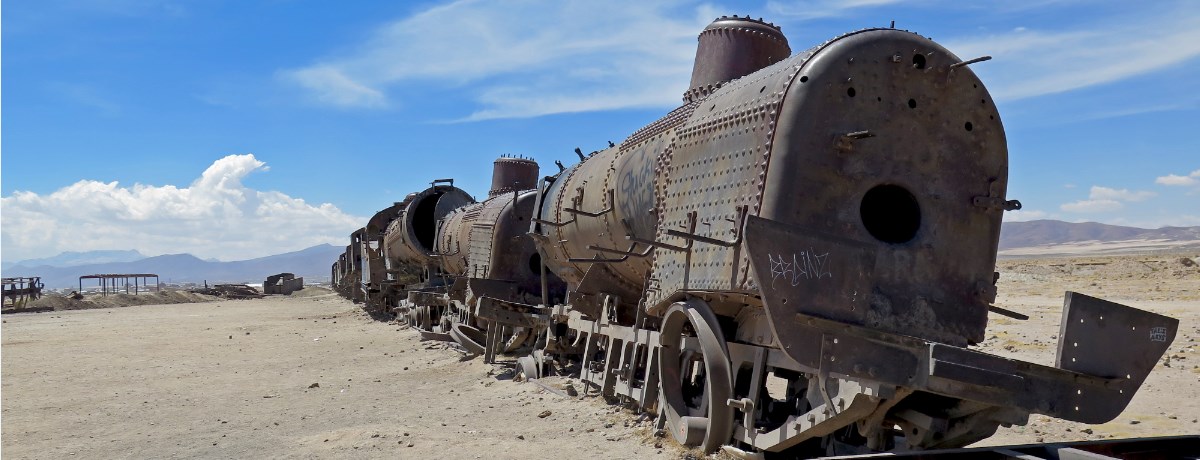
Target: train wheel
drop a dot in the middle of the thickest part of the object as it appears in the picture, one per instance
(695, 386)
(470, 338)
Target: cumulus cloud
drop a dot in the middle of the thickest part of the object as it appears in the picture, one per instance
(1105, 199)
(521, 59)
(1184, 181)
(1065, 59)
(215, 216)
(1105, 193)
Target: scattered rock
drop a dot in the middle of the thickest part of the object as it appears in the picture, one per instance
(1134, 422)
(1086, 431)
(315, 385)
(521, 437)
(544, 414)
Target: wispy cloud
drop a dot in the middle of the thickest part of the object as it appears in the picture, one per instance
(521, 59)
(1105, 199)
(1175, 180)
(815, 9)
(215, 208)
(1042, 62)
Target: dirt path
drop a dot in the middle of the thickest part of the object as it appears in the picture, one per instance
(232, 379)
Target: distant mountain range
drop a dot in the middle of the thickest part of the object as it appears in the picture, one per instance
(312, 263)
(1046, 237)
(1038, 237)
(72, 259)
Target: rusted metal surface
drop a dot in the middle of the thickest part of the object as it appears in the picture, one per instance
(410, 238)
(19, 291)
(828, 219)
(513, 174)
(733, 47)
(283, 284)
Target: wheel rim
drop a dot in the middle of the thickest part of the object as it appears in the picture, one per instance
(702, 420)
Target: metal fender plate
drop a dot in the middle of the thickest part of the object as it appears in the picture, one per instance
(809, 273)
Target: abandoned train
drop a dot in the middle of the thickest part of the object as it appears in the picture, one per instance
(826, 221)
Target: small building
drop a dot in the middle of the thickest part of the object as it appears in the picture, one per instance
(283, 283)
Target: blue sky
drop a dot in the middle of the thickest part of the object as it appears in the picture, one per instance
(235, 129)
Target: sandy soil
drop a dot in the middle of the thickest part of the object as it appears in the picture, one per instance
(235, 379)
(1169, 401)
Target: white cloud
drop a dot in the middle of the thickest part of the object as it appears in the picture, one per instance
(1188, 180)
(1092, 206)
(215, 216)
(1105, 199)
(814, 9)
(1105, 193)
(1044, 62)
(330, 86)
(522, 59)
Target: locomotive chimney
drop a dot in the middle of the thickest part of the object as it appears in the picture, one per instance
(510, 173)
(733, 47)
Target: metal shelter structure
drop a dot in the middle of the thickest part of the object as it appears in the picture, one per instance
(20, 290)
(111, 283)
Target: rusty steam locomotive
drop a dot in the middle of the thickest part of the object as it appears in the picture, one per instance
(798, 258)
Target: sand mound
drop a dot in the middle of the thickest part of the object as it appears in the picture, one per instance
(312, 291)
(60, 302)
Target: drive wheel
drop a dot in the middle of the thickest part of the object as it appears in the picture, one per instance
(695, 385)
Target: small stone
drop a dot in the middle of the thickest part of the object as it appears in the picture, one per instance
(315, 385)
(1134, 422)
(544, 414)
(1086, 431)
(410, 444)
(521, 437)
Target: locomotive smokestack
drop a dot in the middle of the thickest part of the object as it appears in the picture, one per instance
(733, 47)
(509, 174)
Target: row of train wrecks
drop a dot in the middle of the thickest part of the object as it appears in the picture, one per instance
(796, 260)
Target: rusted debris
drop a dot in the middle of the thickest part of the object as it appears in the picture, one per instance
(230, 291)
(19, 291)
(283, 283)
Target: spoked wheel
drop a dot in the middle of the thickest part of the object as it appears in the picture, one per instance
(695, 385)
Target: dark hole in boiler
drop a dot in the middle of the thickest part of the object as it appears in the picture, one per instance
(535, 263)
(424, 221)
(912, 103)
(968, 126)
(890, 213)
(850, 92)
(919, 61)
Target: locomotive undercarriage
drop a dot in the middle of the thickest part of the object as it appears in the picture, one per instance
(724, 381)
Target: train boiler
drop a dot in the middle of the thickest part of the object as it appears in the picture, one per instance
(829, 220)
(798, 259)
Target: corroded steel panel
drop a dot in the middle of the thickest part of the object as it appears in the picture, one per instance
(714, 172)
(881, 140)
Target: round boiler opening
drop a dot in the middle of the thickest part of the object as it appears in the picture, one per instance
(535, 263)
(891, 214)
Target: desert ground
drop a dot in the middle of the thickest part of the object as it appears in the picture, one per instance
(311, 376)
